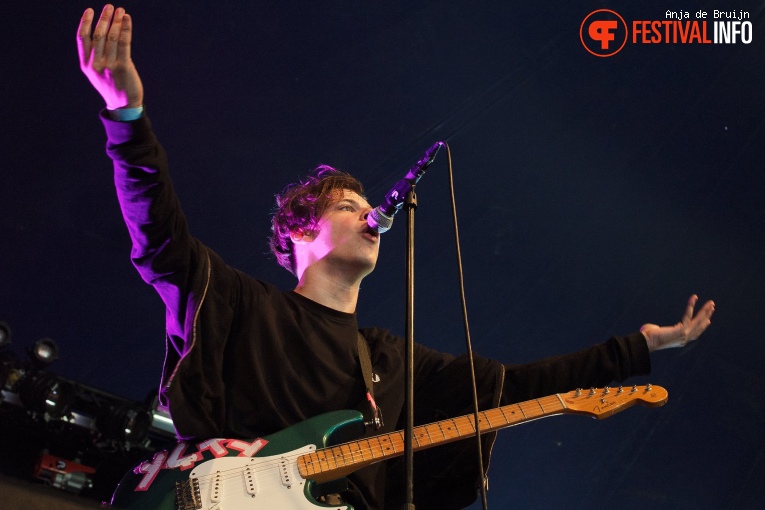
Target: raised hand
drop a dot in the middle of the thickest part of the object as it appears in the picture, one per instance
(688, 329)
(105, 57)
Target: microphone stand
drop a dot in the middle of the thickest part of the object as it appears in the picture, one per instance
(410, 204)
(380, 219)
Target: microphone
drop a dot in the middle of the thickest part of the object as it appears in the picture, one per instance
(380, 219)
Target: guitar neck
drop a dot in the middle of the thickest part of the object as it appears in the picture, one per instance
(331, 463)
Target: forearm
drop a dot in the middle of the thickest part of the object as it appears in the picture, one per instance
(615, 360)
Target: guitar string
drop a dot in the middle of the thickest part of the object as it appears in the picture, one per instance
(236, 475)
(358, 455)
(332, 456)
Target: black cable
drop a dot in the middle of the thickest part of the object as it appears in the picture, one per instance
(468, 343)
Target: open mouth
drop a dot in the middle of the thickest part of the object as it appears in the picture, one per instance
(371, 233)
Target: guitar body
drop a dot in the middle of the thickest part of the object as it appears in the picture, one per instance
(229, 474)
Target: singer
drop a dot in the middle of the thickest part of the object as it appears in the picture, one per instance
(245, 359)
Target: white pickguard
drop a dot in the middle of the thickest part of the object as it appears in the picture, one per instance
(250, 483)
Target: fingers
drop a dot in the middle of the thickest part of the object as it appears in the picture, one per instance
(702, 320)
(83, 35)
(114, 36)
(125, 38)
(690, 328)
(110, 39)
(688, 315)
(101, 31)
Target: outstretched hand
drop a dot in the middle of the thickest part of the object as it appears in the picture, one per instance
(688, 329)
(105, 57)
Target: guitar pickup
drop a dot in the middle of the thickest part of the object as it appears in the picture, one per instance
(250, 484)
(284, 471)
(215, 488)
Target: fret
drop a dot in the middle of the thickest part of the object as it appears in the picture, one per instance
(481, 421)
(388, 443)
(383, 453)
(543, 402)
(454, 429)
(553, 404)
(323, 463)
(500, 418)
(369, 448)
(336, 452)
(486, 418)
(530, 409)
(504, 415)
(460, 425)
(346, 454)
(441, 429)
(416, 434)
(309, 464)
(398, 439)
(427, 431)
(358, 451)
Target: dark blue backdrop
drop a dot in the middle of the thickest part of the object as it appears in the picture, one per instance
(595, 194)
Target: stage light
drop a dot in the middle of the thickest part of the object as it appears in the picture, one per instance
(5, 334)
(44, 352)
(127, 422)
(46, 394)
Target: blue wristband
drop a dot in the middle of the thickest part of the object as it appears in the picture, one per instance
(126, 114)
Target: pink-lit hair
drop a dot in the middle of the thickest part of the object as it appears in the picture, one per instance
(302, 203)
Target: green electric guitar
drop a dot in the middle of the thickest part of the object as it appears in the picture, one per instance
(277, 471)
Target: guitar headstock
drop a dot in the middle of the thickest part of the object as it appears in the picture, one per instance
(603, 402)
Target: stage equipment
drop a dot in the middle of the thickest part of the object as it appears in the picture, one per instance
(64, 474)
(5, 334)
(78, 438)
(161, 422)
(44, 393)
(126, 422)
(44, 352)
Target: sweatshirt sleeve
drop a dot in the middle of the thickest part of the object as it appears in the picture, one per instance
(163, 250)
(617, 359)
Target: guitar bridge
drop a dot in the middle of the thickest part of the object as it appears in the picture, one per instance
(187, 496)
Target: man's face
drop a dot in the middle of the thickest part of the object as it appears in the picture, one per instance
(342, 237)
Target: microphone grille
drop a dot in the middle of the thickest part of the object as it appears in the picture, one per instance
(379, 221)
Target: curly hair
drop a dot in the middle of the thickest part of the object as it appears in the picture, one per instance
(301, 204)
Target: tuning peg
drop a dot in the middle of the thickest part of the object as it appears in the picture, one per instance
(592, 391)
(579, 392)
(606, 390)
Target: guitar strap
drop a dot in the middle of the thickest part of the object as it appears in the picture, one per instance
(369, 380)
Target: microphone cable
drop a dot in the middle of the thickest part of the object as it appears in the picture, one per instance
(468, 343)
